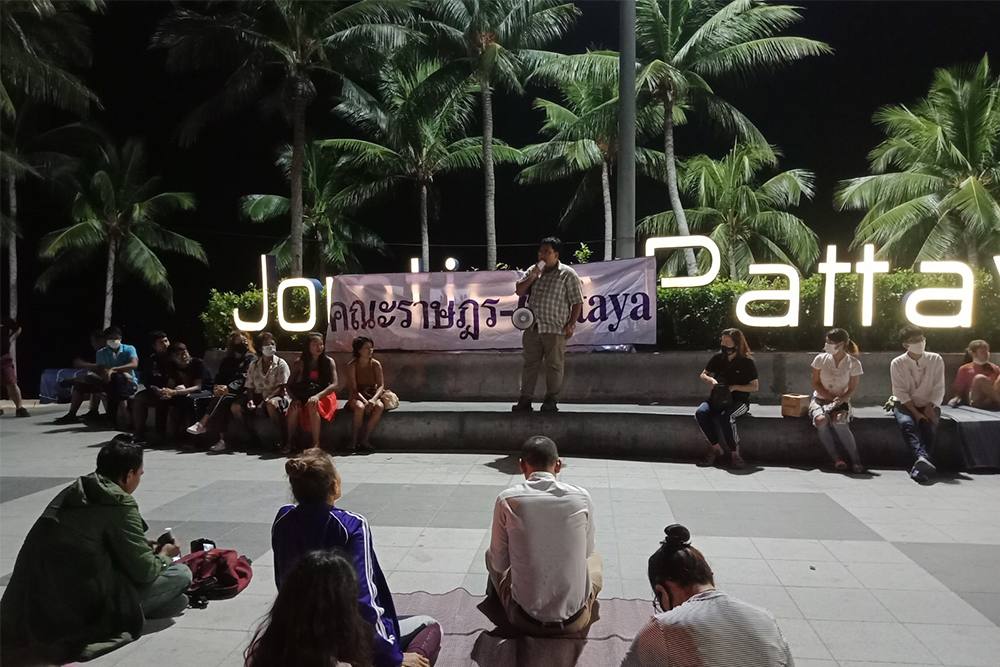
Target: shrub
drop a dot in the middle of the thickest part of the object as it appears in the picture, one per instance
(218, 315)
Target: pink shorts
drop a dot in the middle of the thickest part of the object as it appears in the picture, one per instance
(8, 375)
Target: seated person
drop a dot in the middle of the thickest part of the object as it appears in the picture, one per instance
(96, 343)
(229, 386)
(366, 382)
(190, 385)
(698, 624)
(315, 523)
(312, 385)
(86, 576)
(154, 375)
(978, 381)
(542, 562)
(266, 387)
(918, 389)
(836, 375)
(113, 376)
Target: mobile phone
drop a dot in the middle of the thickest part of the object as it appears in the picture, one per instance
(166, 538)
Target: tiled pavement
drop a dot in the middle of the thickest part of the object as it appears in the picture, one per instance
(875, 571)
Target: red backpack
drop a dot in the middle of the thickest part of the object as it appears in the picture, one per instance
(217, 574)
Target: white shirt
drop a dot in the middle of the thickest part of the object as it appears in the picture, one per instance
(918, 380)
(711, 629)
(837, 379)
(543, 530)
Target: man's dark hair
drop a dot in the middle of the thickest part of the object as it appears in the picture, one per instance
(176, 347)
(118, 458)
(539, 452)
(97, 333)
(552, 241)
(908, 332)
(112, 332)
(157, 335)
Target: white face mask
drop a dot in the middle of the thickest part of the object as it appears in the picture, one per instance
(115, 344)
(981, 363)
(268, 350)
(916, 348)
(831, 348)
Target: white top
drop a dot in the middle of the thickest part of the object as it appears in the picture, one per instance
(543, 530)
(918, 380)
(266, 383)
(837, 378)
(711, 629)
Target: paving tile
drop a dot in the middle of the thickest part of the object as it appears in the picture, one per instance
(454, 538)
(815, 574)
(872, 642)
(774, 599)
(803, 640)
(430, 559)
(855, 551)
(930, 607)
(839, 604)
(785, 549)
(895, 576)
(430, 582)
(12, 488)
(469, 520)
(742, 571)
(959, 645)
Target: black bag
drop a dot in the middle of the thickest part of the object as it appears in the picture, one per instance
(721, 398)
(305, 389)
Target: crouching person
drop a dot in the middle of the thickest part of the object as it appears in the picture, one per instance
(86, 577)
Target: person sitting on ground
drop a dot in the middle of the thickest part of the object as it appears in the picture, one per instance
(230, 384)
(9, 332)
(733, 377)
(86, 576)
(978, 381)
(542, 561)
(316, 523)
(113, 375)
(835, 377)
(918, 392)
(155, 376)
(696, 623)
(313, 386)
(365, 379)
(315, 619)
(266, 387)
(190, 385)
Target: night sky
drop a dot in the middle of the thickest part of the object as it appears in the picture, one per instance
(817, 111)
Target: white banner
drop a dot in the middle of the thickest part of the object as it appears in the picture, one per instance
(472, 310)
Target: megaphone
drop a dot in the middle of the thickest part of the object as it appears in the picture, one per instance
(523, 318)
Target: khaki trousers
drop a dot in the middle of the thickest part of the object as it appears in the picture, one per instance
(538, 347)
(502, 583)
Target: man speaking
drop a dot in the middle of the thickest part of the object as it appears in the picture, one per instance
(555, 298)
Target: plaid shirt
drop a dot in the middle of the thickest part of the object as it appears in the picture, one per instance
(552, 297)
(265, 384)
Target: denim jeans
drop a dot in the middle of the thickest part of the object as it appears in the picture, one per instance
(919, 437)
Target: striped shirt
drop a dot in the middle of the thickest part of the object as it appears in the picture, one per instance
(711, 629)
(552, 297)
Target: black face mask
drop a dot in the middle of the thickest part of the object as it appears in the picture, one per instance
(727, 350)
(240, 348)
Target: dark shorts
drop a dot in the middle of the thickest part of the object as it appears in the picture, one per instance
(8, 375)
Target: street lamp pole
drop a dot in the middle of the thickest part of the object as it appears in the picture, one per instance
(625, 223)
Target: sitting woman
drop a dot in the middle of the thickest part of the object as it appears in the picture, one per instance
(364, 377)
(312, 384)
(315, 523)
(835, 377)
(698, 624)
(266, 387)
(978, 381)
(733, 376)
(230, 384)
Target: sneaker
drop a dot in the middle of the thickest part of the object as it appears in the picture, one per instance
(523, 405)
(218, 447)
(196, 429)
(21, 412)
(66, 419)
(549, 405)
(918, 476)
(924, 466)
(92, 416)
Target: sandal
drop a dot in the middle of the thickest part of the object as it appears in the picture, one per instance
(713, 454)
(738, 461)
(840, 466)
(858, 469)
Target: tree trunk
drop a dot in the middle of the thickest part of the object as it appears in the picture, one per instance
(732, 262)
(109, 284)
(320, 256)
(609, 225)
(970, 251)
(675, 197)
(298, 158)
(12, 258)
(491, 186)
(425, 241)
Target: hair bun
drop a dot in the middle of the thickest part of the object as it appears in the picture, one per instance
(677, 536)
(295, 466)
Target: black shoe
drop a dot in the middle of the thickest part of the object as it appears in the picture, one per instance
(21, 412)
(549, 405)
(66, 419)
(92, 416)
(523, 405)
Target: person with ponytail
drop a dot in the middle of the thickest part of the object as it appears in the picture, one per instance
(313, 386)
(836, 373)
(229, 388)
(978, 381)
(732, 376)
(314, 523)
(696, 623)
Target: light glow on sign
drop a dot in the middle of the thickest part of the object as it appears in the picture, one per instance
(674, 242)
(307, 325)
(259, 325)
(963, 294)
(830, 268)
(868, 268)
(791, 294)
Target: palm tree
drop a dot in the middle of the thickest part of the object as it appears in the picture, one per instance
(326, 215)
(498, 41)
(117, 216)
(681, 42)
(747, 220)
(289, 45)
(934, 191)
(413, 137)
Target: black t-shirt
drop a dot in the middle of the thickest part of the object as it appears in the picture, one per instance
(196, 370)
(741, 370)
(7, 327)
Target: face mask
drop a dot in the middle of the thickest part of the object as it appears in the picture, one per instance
(831, 348)
(981, 363)
(241, 348)
(916, 348)
(114, 344)
(727, 350)
(268, 350)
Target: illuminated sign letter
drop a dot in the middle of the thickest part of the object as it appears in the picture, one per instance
(830, 268)
(259, 325)
(310, 323)
(790, 319)
(963, 294)
(664, 242)
(868, 268)
(329, 298)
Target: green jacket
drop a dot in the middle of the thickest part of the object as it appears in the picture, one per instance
(75, 579)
